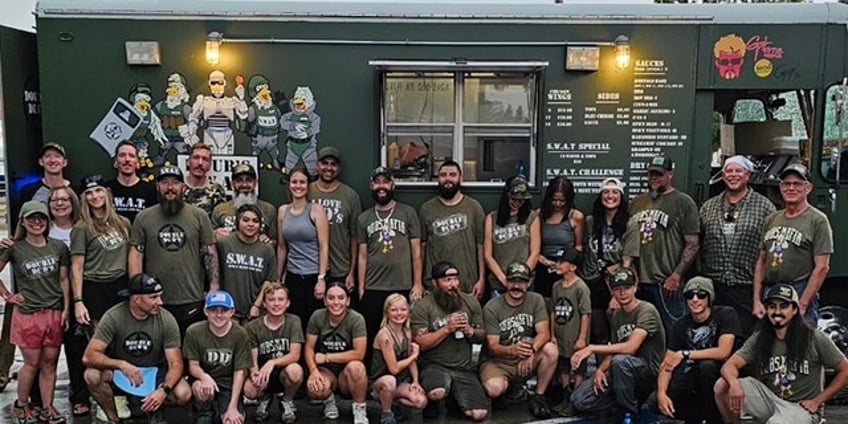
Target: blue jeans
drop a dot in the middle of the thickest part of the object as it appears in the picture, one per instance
(812, 314)
(671, 308)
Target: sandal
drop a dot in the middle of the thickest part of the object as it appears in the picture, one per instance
(50, 415)
(4, 381)
(81, 409)
(24, 414)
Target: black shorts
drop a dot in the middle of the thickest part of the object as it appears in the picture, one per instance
(463, 385)
(599, 293)
(99, 297)
(275, 384)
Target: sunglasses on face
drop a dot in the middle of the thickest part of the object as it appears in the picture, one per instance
(700, 294)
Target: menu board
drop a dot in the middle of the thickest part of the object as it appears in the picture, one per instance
(598, 125)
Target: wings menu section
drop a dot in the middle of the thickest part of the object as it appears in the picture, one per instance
(596, 127)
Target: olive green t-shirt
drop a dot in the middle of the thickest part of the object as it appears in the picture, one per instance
(608, 248)
(172, 247)
(244, 267)
(569, 305)
(342, 206)
(140, 342)
(646, 317)
(451, 352)
(389, 263)
(224, 216)
(791, 244)
(220, 357)
(36, 272)
(105, 254)
(339, 338)
(453, 233)
(511, 323)
(510, 243)
(655, 232)
(273, 344)
(400, 346)
(793, 380)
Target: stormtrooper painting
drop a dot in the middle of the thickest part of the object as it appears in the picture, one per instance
(263, 122)
(216, 113)
(174, 112)
(302, 126)
(151, 126)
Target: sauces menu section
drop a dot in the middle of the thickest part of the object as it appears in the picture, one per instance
(610, 124)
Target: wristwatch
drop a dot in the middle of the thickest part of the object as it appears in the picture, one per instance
(686, 354)
(166, 388)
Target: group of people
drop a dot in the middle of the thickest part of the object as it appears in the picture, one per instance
(169, 293)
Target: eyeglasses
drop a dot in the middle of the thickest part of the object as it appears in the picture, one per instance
(700, 294)
(730, 214)
(793, 184)
(60, 200)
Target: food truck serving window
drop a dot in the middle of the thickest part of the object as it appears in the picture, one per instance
(482, 119)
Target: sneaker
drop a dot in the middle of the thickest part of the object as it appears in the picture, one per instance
(331, 410)
(388, 418)
(499, 403)
(204, 416)
(100, 414)
(360, 413)
(539, 407)
(156, 417)
(565, 408)
(289, 411)
(246, 401)
(123, 407)
(262, 412)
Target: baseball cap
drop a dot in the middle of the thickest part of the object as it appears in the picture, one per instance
(169, 171)
(33, 207)
(518, 188)
(243, 168)
(518, 271)
(783, 292)
(795, 168)
(441, 270)
(700, 283)
(329, 151)
(569, 255)
(612, 183)
(622, 277)
(661, 164)
(55, 146)
(92, 181)
(381, 170)
(219, 298)
(142, 283)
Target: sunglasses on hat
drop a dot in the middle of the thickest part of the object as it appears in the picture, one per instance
(701, 294)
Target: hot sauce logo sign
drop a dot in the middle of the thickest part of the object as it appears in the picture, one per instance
(730, 50)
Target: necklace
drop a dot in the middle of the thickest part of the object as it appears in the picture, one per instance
(386, 232)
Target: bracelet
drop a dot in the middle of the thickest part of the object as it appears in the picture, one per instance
(255, 306)
(77, 298)
(322, 276)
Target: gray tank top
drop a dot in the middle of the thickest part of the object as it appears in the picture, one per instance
(302, 242)
(557, 236)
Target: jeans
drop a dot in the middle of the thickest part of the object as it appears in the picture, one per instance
(629, 377)
(671, 308)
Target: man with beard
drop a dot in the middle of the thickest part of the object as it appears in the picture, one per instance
(174, 241)
(389, 258)
(130, 194)
(697, 347)
(174, 112)
(732, 229)
(201, 191)
(629, 363)
(244, 187)
(452, 224)
(517, 341)
(788, 358)
(663, 234)
(445, 323)
(343, 206)
(796, 245)
(133, 336)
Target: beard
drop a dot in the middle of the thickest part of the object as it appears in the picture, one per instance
(657, 192)
(171, 207)
(450, 301)
(382, 201)
(448, 193)
(242, 199)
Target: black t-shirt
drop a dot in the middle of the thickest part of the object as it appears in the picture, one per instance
(129, 201)
(690, 335)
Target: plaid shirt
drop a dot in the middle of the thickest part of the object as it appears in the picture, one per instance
(730, 259)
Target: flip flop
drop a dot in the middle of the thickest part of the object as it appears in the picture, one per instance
(81, 409)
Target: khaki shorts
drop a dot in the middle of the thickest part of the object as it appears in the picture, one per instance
(494, 368)
(765, 406)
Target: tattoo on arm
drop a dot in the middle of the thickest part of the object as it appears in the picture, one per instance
(688, 254)
(210, 261)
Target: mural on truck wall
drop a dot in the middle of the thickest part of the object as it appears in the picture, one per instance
(282, 133)
(730, 50)
(302, 126)
(216, 114)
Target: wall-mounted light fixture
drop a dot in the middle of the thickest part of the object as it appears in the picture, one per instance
(586, 55)
(142, 52)
(213, 47)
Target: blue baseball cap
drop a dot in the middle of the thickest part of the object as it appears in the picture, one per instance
(219, 298)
